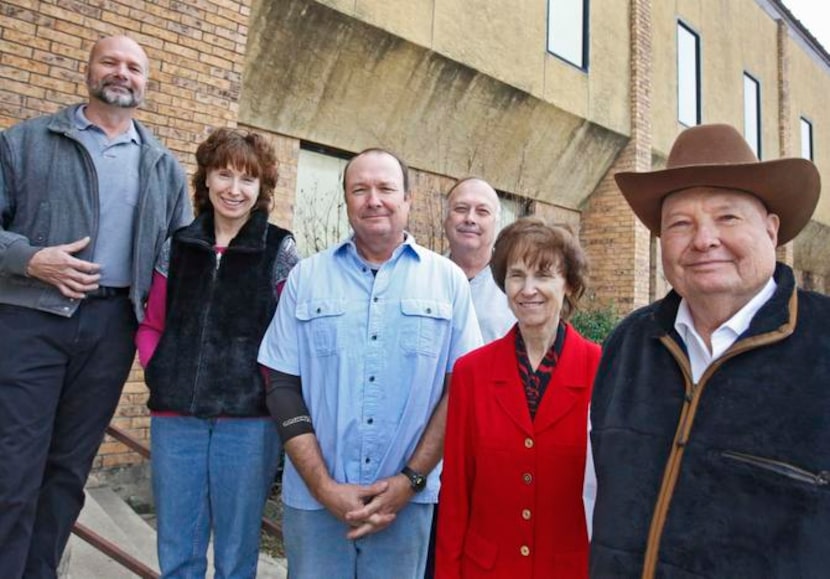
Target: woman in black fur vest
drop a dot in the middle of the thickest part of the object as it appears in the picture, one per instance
(216, 286)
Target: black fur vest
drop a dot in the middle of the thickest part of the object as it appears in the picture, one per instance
(217, 312)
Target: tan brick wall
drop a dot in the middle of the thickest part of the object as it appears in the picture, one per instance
(426, 218)
(196, 51)
(618, 246)
(556, 215)
(785, 140)
(288, 155)
(813, 281)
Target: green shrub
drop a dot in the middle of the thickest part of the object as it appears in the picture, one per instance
(595, 324)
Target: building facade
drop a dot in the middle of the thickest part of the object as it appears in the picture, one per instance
(546, 99)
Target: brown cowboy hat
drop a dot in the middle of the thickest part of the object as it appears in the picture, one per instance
(718, 156)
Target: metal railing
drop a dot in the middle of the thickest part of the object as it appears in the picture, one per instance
(112, 550)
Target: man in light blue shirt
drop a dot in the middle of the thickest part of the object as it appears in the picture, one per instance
(367, 331)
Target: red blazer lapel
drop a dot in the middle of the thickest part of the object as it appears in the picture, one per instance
(507, 385)
(567, 384)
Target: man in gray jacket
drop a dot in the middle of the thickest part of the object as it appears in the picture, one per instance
(87, 198)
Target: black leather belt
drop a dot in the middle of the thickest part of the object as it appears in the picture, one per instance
(105, 292)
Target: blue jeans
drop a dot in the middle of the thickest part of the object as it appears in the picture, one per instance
(316, 546)
(211, 475)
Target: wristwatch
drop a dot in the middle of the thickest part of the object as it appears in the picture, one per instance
(417, 481)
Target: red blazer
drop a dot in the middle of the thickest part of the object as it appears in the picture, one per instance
(511, 488)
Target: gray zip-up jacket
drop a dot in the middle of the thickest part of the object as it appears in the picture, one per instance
(49, 196)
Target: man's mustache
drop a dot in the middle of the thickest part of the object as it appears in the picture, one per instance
(110, 82)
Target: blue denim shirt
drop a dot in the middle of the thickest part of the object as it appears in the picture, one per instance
(372, 352)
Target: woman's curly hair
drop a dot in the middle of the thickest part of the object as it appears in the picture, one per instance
(242, 150)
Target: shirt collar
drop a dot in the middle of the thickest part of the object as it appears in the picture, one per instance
(408, 245)
(82, 123)
(733, 327)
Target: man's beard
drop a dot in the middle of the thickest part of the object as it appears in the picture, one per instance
(104, 90)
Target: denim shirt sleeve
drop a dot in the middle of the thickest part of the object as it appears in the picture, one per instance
(279, 349)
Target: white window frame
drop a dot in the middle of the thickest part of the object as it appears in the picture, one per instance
(320, 218)
(568, 24)
(806, 133)
(688, 75)
(752, 113)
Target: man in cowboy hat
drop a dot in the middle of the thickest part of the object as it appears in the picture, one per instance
(711, 407)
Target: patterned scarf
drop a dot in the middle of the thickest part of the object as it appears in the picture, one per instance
(535, 383)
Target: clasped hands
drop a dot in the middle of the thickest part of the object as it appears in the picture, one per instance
(366, 509)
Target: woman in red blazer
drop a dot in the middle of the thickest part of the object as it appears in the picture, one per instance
(516, 439)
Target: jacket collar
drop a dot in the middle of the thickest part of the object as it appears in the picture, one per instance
(509, 390)
(252, 236)
(772, 315)
(64, 122)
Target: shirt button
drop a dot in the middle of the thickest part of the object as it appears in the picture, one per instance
(368, 460)
(525, 551)
(528, 443)
(375, 299)
(527, 478)
(526, 514)
(319, 310)
(371, 378)
(374, 336)
(429, 310)
(370, 421)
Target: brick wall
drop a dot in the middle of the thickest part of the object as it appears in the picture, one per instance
(619, 248)
(784, 253)
(196, 50)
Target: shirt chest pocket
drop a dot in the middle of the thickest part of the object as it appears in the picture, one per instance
(324, 322)
(425, 326)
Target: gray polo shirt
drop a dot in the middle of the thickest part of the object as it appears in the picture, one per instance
(116, 162)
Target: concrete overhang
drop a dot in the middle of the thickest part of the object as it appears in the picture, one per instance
(317, 74)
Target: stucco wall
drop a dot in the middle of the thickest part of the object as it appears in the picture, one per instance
(316, 74)
(735, 37)
(810, 97)
(506, 40)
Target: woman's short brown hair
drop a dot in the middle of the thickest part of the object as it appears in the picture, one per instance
(242, 150)
(538, 244)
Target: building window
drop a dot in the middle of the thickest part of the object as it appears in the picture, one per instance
(688, 76)
(568, 31)
(512, 207)
(319, 209)
(806, 138)
(752, 114)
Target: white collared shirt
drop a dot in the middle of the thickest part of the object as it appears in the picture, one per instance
(722, 338)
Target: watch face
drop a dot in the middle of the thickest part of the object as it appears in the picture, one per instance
(419, 482)
(416, 479)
